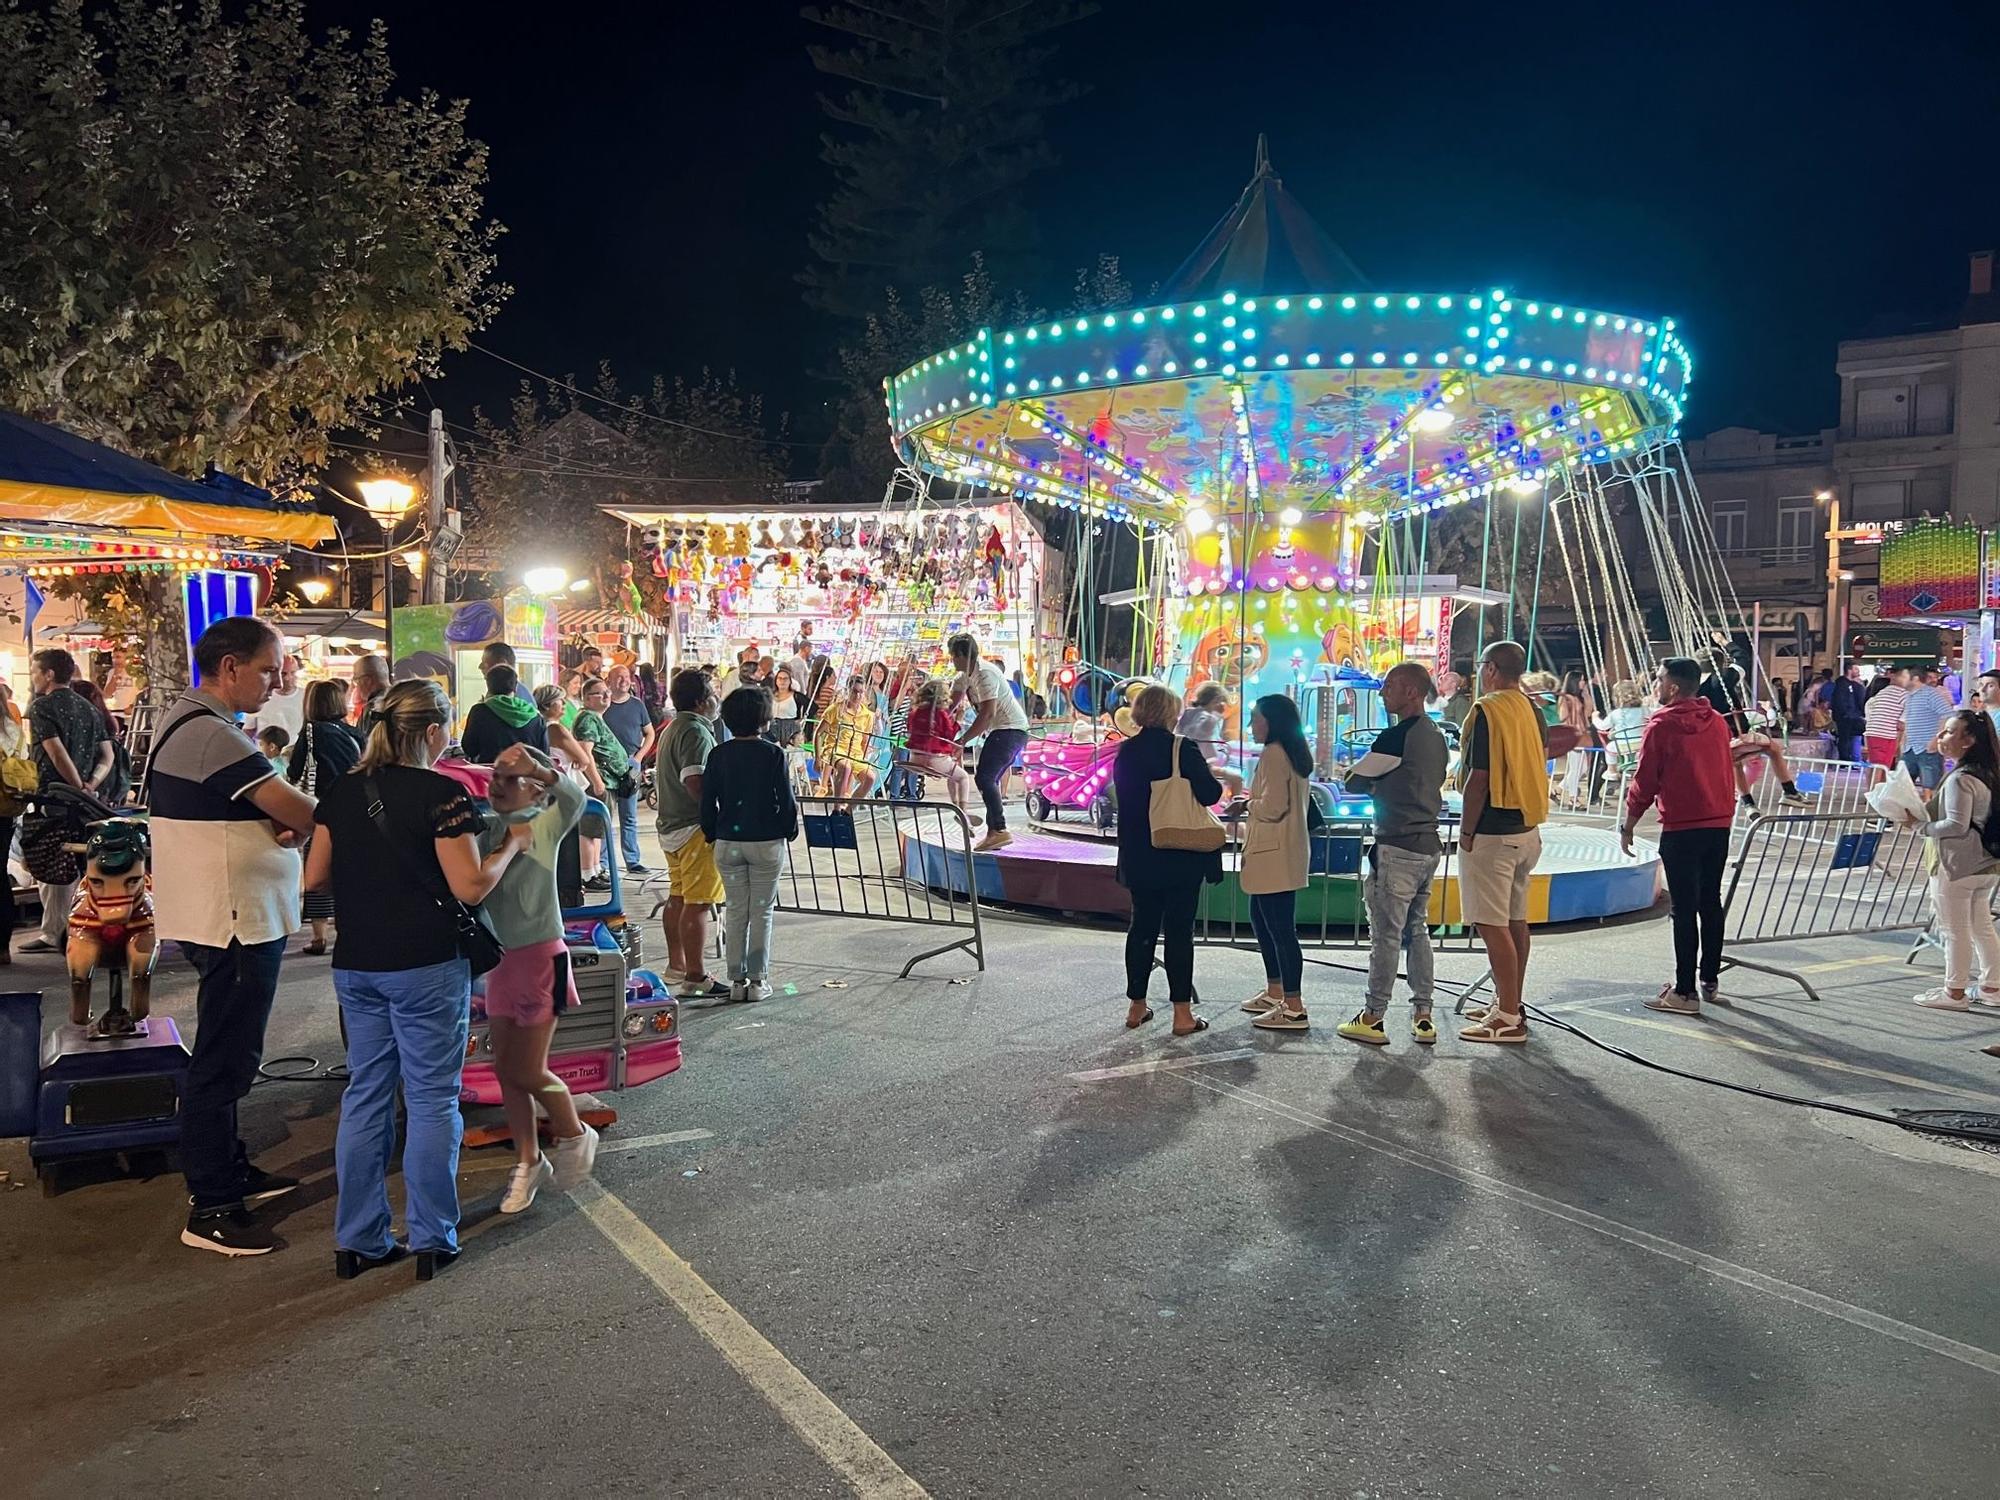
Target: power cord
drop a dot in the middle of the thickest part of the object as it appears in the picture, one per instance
(1988, 1137)
(311, 1072)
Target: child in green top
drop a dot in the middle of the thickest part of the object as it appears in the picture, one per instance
(527, 988)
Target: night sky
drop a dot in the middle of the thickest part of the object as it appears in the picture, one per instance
(1776, 176)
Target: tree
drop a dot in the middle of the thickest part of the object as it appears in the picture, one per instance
(220, 240)
(539, 480)
(940, 132)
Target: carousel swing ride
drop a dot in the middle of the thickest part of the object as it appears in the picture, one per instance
(1283, 438)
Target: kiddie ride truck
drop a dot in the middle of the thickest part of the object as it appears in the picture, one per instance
(626, 1029)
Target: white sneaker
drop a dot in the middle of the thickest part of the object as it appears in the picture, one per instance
(574, 1159)
(739, 991)
(1943, 999)
(523, 1183)
(1256, 1005)
(760, 989)
(1986, 1000)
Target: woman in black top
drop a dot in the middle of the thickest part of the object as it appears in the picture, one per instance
(749, 815)
(1165, 883)
(394, 837)
(326, 750)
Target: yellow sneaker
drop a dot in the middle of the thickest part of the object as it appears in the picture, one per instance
(1361, 1029)
(1422, 1029)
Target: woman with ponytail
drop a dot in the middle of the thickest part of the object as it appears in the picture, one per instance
(1275, 860)
(399, 844)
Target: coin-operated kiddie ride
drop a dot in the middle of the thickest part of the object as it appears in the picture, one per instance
(108, 1083)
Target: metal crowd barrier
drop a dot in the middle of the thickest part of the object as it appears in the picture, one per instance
(1332, 910)
(1800, 876)
(858, 863)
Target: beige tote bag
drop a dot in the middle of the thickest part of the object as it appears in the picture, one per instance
(1179, 820)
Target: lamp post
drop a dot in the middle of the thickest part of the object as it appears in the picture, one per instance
(1833, 643)
(388, 499)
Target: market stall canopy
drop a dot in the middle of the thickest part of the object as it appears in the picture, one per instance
(47, 474)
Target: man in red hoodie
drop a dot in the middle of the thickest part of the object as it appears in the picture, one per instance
(1685, 765)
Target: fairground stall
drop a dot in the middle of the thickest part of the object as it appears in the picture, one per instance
(444, 641)
(1281, 436)
(888, 584)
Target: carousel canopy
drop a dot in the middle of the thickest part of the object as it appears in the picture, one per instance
(1295, 388)
(49, 475)
(1267, 242)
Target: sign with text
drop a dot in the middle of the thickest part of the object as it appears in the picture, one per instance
(1894, 643)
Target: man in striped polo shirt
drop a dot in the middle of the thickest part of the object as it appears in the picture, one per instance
(226, 887)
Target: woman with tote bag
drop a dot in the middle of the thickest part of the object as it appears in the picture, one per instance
(1275, 860)
(1165, 883)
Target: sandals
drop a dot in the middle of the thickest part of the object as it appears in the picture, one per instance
(313, 950)
(1131, 1025)
(1496, 1026)
(1199, 1025)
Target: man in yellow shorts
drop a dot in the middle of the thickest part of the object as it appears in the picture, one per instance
(693, 885)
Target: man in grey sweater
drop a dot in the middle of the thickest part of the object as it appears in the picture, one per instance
(1403, 772)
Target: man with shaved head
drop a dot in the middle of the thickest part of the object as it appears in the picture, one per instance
(1403, 774)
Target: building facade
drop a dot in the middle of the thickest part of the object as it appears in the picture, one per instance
(1919, 434)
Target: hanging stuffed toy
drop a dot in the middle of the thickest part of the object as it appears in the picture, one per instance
(628, 591)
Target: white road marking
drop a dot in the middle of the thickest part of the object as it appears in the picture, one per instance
(1757, 1281)
(605, 1148)
(866, 1467)
(1163, 1065)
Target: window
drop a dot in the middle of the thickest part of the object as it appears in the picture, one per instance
(1883, 412)
(1880, 500)
(1797, 532)
(1732, 528)
(1933, 410)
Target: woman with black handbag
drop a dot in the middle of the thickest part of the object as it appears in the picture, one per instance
(325, 751)
(400, 842)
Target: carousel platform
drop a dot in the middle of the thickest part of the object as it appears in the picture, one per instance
(1582, 876)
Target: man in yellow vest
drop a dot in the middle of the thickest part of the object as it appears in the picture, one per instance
(1506, 756)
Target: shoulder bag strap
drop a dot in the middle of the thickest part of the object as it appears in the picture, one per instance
(1174, 770)
(311, 778)
(432, 882)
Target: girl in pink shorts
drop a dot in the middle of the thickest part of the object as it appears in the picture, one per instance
(531, 985)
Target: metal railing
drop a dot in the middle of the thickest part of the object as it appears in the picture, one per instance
(1900, 426)
(884, 861)
(1332, 910)
(1801, 876)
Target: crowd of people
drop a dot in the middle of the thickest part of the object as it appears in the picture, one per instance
(1681, 743)
(276, 802)
(374, 783)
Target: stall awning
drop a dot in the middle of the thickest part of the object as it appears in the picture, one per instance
(582, 621)
(49, 475)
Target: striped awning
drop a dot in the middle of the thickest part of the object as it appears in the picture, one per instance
(584, 621)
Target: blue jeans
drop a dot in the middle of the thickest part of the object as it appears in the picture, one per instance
(1926, 768)
(1399, 906)
(628, 829)
(232, 1007)
(1274, 918)
(904, 785)
(406, 1027)
(749, 871)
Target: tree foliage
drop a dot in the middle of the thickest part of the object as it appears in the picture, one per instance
(539, 478)
(220, 239)
(937, 136)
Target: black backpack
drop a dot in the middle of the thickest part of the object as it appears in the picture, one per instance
(1989, 831)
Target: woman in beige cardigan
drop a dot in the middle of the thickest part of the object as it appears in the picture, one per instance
(1275, 860)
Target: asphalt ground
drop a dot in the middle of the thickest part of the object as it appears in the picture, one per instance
(919, 1253)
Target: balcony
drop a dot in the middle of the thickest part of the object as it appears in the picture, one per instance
(1784, 562)
(1874, 429)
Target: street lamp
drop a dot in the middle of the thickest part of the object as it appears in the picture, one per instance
(415, 561)
(548, 580)
(315, 589)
